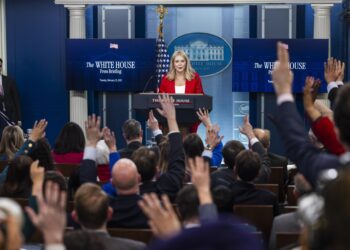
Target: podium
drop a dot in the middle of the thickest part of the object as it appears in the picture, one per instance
(186, 106)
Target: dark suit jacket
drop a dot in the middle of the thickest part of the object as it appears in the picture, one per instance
(226, 176)
(116, 243)
(279, 161)
(309, 160)
(332, 95)
(9, 103)
(222, 176)
(126, 212)
(247, 193)
(265, 170)
(169, 182)
(129, 149)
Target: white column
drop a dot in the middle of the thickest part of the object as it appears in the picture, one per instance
(3, 54)
(322, 22)
(77, 99)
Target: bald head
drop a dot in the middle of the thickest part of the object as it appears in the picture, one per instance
(263, 136)
(125, 177)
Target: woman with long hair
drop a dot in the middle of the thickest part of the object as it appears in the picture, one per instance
(70, 143)
(11, 141)
(182, 79)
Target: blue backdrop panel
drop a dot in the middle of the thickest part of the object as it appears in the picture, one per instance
(36, 33)
(109, 64)
(253, 61)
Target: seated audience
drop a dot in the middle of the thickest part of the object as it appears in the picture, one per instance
(166, 226)
(69, 145)
(92, 211)
(146, 160)
(11, 141)
(227, 177)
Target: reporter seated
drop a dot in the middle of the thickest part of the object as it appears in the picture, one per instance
(92, 212)
(243, 190)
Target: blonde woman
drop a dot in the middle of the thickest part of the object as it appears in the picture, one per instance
(181, 78)
(11, 141)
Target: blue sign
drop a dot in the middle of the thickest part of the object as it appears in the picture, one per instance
(110, 65)
(208, 54)
(253, 61)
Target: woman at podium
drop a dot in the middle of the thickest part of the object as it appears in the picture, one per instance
(182, 79)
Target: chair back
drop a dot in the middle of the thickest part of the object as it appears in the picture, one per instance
(143, 235)
(260, 216)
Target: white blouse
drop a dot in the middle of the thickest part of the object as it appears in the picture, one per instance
(180, 89)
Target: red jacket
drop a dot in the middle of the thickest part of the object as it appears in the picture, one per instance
(192, 87)
(323, 128)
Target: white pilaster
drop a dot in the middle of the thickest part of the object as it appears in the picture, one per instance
(322, 22)
(3, 54)
(77, 99)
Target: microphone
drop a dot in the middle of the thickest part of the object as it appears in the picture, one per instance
(146, 85)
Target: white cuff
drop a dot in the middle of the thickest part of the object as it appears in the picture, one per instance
(55, 247)
(157, 132)
(253, 141)
(331, 86)
(172, 132)
(284, 98)
(207, 153)
(90, 153)
(339, 83)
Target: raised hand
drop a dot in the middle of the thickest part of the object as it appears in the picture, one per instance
(167, 106)
(51, 219)
(162, 220)
(109, 138)
(38, 130)
(247, 128)
(92, 130)
(332, 71)
(203, 115)
(282, 76)
(152, 121)
(200, 178)
(168, 111)
(309, 107)
(37, 175)
(212, 136)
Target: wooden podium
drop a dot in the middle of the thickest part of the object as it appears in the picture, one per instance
(186, 107)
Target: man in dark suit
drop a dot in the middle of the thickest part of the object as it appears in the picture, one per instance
(9, 99)
(243, 190)
(92, 211)
(309, 160)
(132, 132)
(276, 160)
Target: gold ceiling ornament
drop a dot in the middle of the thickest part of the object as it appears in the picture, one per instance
(162, 11)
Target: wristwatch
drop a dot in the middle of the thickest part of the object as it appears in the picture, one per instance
(208, 147)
